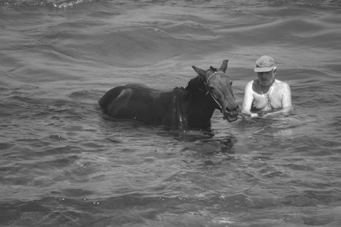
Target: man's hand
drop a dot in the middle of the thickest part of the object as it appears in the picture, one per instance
(254, 115)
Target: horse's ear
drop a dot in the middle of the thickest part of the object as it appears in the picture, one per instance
(200, 72)
(223, 66)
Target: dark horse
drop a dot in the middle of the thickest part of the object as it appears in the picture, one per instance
(192, 106)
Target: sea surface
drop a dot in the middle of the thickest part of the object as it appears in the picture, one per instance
(65, 163)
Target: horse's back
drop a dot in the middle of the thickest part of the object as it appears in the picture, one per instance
(121, 91)
(135, 101)
(109, 96)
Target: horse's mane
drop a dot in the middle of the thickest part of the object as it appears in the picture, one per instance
(195, 83)
(198, 82)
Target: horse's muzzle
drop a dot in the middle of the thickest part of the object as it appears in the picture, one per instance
(231, 116)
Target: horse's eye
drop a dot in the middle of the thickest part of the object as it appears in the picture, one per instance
(231, 83)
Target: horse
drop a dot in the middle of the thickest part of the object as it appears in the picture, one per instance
(189, 107)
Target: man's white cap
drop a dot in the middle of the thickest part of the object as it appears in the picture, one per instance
(264, 64)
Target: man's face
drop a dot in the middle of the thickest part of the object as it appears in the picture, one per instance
(266, 78)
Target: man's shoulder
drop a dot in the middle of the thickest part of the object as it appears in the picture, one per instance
(250, 83)
(282, 87)
(281, 83)
(249, 86)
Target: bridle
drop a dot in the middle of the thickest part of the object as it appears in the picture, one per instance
(208, 92)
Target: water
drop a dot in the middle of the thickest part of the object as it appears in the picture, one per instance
(65, 163)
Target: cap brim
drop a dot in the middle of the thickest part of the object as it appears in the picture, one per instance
(264, 69)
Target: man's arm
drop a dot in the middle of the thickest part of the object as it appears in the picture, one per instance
(248, 99)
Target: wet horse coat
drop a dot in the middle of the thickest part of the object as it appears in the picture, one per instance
(192, 106)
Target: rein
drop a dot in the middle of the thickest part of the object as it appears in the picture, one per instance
(221, 108)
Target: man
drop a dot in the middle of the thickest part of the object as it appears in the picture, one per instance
(266, 95)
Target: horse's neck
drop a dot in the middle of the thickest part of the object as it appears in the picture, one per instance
(199, 108)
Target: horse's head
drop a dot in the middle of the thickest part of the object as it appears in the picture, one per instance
(219, 86)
